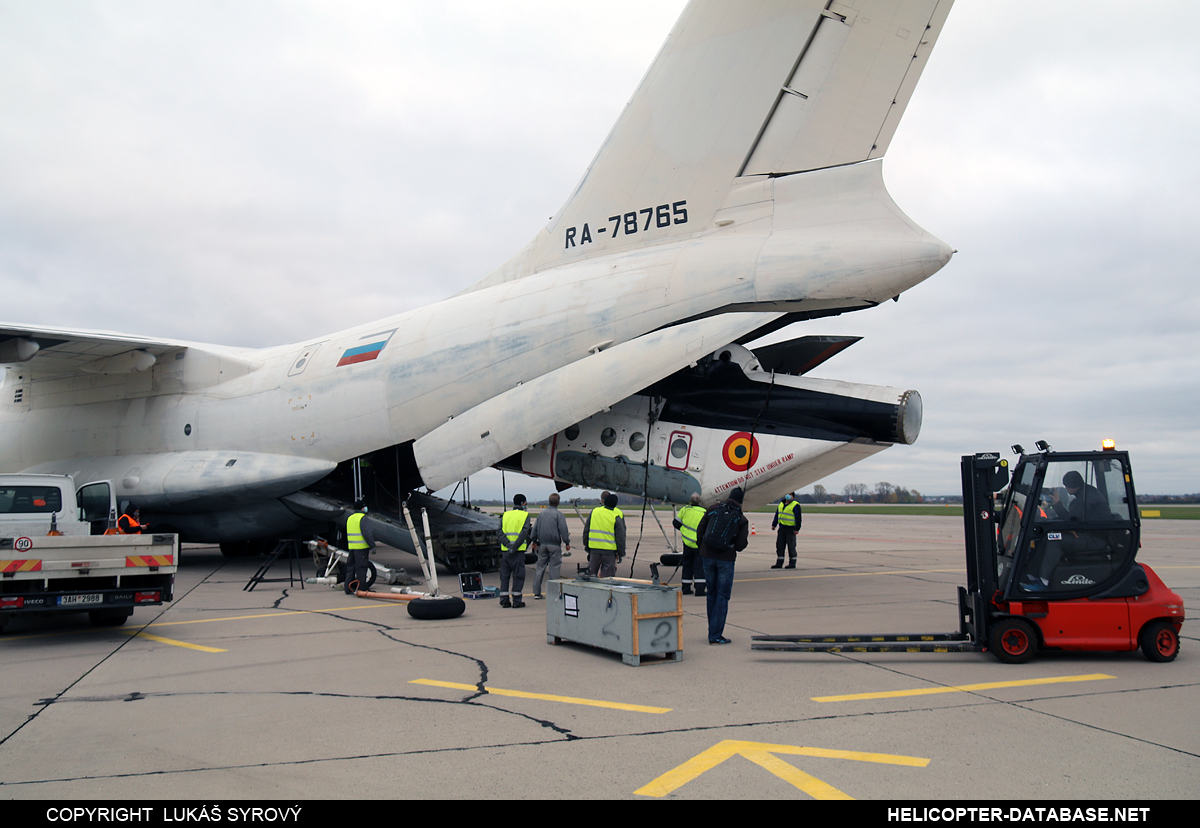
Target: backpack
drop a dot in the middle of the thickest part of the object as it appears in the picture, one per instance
(722, 527)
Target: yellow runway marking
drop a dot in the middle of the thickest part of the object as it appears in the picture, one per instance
(266, 615)
(847, 575)
(521, 694)
(201, 621)
(963, 688)
(762, 754)
(161, 640)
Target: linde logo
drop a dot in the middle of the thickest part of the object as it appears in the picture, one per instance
(1078, 580)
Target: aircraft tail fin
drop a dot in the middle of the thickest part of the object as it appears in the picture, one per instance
(753, 88)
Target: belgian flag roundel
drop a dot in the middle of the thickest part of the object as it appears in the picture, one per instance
(741, 451)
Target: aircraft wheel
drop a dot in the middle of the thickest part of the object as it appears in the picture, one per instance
(670, 559)
(1013, 640)
(436, 609)
(1159, 641)
(109, 618)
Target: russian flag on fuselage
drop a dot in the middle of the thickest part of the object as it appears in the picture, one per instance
(364, 353)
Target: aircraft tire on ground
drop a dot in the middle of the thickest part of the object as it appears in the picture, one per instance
(1159, 641)
(1013, 640)
(670, 559)
(436, 609)
(109, 617)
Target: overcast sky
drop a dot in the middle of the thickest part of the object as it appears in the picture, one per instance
(256, 173)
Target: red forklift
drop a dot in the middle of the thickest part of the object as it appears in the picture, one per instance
(1053, 569)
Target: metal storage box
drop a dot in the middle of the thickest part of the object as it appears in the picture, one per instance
(633, 618)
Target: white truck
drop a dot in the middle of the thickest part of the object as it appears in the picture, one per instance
(55, 557)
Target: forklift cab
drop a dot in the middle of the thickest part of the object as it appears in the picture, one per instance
(1069, 528)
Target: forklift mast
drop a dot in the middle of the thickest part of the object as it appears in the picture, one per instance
(983, 475)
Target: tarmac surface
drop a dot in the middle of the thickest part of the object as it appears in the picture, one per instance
(290, 693)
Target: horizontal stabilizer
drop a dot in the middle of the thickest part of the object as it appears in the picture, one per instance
(799, 356)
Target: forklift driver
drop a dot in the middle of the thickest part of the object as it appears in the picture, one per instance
(1088, 504)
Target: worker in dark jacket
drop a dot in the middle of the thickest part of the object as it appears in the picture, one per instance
(723, 532)
(1088, 505)
(787, 522)
(551, 537)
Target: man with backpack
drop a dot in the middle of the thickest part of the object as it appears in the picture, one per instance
(723, 531)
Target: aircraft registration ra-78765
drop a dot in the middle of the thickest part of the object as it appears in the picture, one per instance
(740, 191)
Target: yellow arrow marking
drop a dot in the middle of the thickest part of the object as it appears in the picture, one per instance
(962, 688)
(161, 640)
(761, 754)
(521, 694)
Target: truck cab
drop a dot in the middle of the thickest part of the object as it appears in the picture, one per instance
(31, 503)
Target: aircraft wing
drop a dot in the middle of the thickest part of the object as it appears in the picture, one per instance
(511, 421)
(58, 354)
(54, 352)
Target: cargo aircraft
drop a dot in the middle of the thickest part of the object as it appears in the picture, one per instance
(740, 191)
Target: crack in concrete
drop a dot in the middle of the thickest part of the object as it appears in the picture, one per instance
(42, 704)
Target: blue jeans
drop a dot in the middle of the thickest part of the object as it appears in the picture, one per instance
(718, 577)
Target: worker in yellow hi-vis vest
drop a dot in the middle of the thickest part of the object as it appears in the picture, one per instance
(359, 543)
(689, 518)
(787, 522)
(516, 526)
(604, 538)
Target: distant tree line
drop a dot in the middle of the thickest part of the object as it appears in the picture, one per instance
(883, 492)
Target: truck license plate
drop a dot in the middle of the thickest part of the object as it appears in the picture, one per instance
(81, 598)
